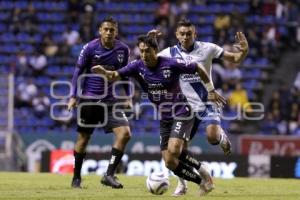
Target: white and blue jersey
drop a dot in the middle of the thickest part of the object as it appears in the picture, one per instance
(191, 85)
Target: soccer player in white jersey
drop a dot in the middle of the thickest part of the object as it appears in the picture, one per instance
(189, 50)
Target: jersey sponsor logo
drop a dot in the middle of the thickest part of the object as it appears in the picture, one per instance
(190, 78)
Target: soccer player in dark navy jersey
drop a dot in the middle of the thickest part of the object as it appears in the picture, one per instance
(94, 91)
(159, 77)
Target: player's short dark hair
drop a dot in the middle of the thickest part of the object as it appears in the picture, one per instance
(184, 22)
(109, 19)
(149, 41)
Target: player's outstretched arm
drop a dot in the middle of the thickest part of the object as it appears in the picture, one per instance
(241, 45)
(111, 75)
(213, 95)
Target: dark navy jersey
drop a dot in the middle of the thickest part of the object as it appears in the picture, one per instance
(93, 53)
(162, 84)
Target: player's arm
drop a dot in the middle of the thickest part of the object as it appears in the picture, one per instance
(81, 65)
(110, 75)
(213, 95)
(128, 103)
(242, 46)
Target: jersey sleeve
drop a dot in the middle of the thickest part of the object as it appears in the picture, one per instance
(165, 53)
(129, 70)
(81, 65)
(182, 68)
(216, 50)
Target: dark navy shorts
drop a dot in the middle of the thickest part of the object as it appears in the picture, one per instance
(175, 129)
(93, 114)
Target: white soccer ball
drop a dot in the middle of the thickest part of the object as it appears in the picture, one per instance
(157, 183)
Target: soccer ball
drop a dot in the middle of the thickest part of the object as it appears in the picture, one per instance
(157, 183)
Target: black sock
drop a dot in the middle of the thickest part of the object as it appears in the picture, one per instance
(79, 157)
(116, 156)
(187, 172)
(187, 158)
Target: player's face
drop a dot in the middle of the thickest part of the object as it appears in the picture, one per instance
(147, 54)
(108, 32)
(186, 36)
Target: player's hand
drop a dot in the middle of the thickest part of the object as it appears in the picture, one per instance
(98, 69)
(216, 97)
(155, 33)
(242, 43)
(72, 103)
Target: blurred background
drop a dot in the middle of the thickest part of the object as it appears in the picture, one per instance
(41, 40)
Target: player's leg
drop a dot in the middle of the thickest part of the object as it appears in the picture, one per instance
(120, 127)
(182, 187)
(210, 119)
(181, 162)
(201, 176)
(79, 156)
(217, 136)
(87, 118)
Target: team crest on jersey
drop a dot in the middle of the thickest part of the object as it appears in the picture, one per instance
(167, 73)
(120, 56)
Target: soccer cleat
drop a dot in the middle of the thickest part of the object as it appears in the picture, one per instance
(111, 181)
(225, 144)
(76, 183)
(206, 184)
(181, 188)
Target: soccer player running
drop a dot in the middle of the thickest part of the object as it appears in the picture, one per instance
(189, 50)
(159, 77)
(113, 54)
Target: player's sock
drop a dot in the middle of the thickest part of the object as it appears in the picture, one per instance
(79, 157)
(116, 156)
(187, 172)
(187, 158)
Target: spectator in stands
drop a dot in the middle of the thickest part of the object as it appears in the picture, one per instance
(232, 74)
(70, 35)
(25, 93)
(255, 6)
(50, 48)
(238, 99)
(297, 81)
(222, 22)
(296, 129)
(254, 42)
(74, 7)
(30, 14)
(15, 21)
(76, 48)
(41, 104)
(294, 112)
(38, 62)
(20, 65)
(275, 103)
(163, 12)
(269, 125)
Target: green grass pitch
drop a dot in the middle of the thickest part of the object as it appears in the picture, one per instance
(52, 186)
